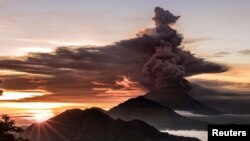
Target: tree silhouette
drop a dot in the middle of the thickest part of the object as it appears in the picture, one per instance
(9, 131)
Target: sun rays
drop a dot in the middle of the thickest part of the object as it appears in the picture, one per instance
(29, 112)
(41, 115)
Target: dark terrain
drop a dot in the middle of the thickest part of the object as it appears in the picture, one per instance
(155, 114)
(178, 99)
(94, 125)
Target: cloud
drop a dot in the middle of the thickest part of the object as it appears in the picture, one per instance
(82, 73)
(221, 85)
(167, 66)
(195, 40)
(196, 66)
(245, 52)
(221, 54)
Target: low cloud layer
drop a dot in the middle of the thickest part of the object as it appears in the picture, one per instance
(245, 52)
(221, 54)
(89, 71)
(227, 101)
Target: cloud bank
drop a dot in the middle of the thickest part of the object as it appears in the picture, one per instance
(90, 71)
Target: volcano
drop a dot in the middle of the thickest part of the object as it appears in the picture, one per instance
(94, 125)
(178, 99)
(155, 114)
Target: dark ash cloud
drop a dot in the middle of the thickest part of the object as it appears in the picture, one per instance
(87, 72)
(167, 66)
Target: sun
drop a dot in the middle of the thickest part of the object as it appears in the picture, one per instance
(41, 115)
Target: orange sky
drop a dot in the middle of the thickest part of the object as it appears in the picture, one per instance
(211, 31)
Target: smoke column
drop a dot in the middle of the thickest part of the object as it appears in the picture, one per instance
(165, 67)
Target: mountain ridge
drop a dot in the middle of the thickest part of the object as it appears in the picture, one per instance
(94, 125)
(178, 99)
(154, 113)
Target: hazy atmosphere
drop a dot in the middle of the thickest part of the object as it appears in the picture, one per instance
(60, 54)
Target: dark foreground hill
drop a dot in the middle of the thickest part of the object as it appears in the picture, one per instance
(153, 113)
(178, 99)
(94, 125)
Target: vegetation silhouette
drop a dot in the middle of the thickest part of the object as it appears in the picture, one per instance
(9, 131)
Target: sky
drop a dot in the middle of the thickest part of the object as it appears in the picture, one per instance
(217, 31)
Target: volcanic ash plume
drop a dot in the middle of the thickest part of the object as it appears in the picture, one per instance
(166, 67)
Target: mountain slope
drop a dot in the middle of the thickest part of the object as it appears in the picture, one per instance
(153, 113)
(228, 102)
(177, 99)
(94, 125)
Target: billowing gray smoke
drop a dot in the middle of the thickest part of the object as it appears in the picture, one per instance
(166, 67)
(94, 70)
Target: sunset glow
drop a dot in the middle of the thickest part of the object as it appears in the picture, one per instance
(41, 115)
(28, 112)
(58, 55)
(35, 49)
(236, 79)
(12, 95)
(36, 105)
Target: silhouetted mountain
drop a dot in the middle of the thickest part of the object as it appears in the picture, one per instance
(178, 99)
(94, 125)
(229, 102)
(153, 113)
